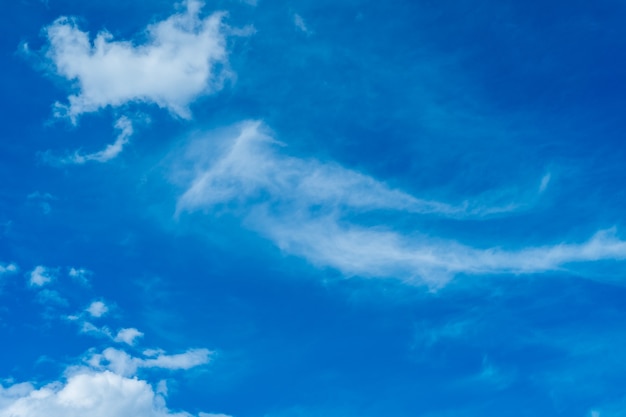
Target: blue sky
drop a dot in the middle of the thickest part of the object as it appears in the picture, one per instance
(315, 208)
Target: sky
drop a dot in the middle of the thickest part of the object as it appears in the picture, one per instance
(268, 208)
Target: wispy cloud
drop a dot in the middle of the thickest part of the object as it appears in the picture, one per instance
(250, 167)
(43, 200)
(300, 24)
(305, 207)
(8, 268)
(122, 363)
(183, 58)
(49, 297)
(111, 151)
(80, 275)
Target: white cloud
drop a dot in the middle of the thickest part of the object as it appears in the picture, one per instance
(103, 385)
(125, 126)
(375, 252)
(8, 268)
(80, 275)
(88, 393)
(249, 167)
(189, 359)
(303, 206)
(41, 276)
(183, 57)
(128, 336)
(100, 384)
(97, 309)
(300, 24)
(212, 415)
(122, 363)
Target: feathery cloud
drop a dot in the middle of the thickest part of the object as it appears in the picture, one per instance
(305, 207)
(111, 151)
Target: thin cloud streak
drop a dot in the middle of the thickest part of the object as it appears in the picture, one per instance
(250, 167)
(125, 126)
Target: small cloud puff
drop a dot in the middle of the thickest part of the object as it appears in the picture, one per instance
(80, 275)
(8, 269)
(128, 336)
(97, 309)
(41, 276)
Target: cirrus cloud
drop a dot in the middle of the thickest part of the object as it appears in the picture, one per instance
(307, 208)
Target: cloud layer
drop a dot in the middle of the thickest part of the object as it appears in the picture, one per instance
(305, 207)
(182, 58)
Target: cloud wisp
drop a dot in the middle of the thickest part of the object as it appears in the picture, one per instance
(305, 207)
(111, 151)
(182, 58)
(7, 269)
(250, 167)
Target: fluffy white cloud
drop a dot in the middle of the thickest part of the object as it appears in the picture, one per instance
(128, 336)
(41, 276)
(183, 57)
(106, 386)
(88, 393)
(97, 309)
(304, 205)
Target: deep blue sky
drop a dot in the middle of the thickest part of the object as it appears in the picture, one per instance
(314, 208)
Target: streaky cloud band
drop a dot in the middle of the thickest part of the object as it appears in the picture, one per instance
(304, 207)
